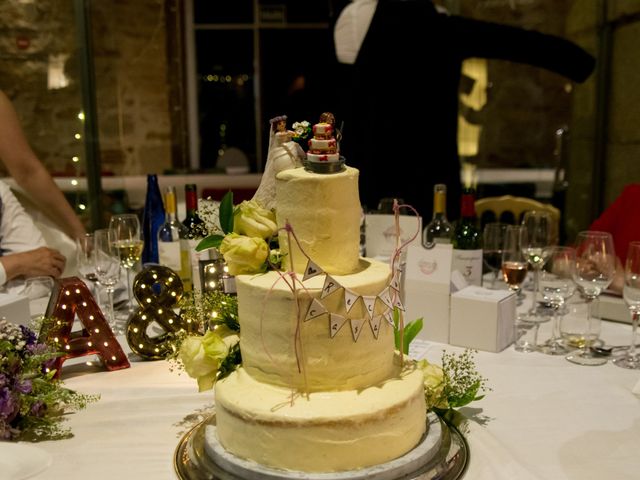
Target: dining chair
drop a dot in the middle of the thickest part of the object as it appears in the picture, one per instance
(510, 209)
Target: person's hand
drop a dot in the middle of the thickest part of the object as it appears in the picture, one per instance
(42, 261)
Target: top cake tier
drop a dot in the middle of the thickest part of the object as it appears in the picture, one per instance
(324, 211)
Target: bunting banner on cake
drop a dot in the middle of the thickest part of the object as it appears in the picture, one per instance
(389, 318)
(385, 297)
(395, 281)
(369, 303)
(330, 286)
(350, 298)
(335, 323)
(316, 309)
(374, 323)
(312, 270)
(398, 304)
(356, 327)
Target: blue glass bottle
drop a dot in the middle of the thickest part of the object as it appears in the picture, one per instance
(152, 220)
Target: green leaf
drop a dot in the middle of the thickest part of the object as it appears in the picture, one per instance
(212, 241)
(226, 212)
(410, 332)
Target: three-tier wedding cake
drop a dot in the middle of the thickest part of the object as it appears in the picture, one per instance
(321, 387)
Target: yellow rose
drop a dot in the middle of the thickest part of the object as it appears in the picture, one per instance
(244, 255)
(250, 219)
(201, 357)
(433, 385)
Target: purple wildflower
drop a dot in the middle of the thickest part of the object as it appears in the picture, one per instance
(28, 335)
(38, 409)
(24, 386)
(9, 406)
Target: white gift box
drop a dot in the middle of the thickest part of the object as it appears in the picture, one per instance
(482, 319)
(15, 308)
(427, 290)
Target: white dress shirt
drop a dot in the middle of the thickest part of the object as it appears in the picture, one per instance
(18, 233)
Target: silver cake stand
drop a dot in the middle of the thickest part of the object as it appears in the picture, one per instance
(442, 454)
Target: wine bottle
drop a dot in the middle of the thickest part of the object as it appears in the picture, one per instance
(196, 231)
(173, 248)
(438, 230)
(152, 220)
(467, 244)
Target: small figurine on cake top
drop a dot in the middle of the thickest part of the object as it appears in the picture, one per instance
(323, 155)
(283, 153)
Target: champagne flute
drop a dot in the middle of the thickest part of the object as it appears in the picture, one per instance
(85, 255)
(126, 231)
(514, 263)
(536, 235)
(556, 287)
(107, 265)
(595, 269)
(493, 242)
(631, 294)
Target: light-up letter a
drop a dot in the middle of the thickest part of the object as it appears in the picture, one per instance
(71, 297)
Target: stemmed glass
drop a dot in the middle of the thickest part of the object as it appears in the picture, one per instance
(107, 267)
(537, 232)
(514, 264)
(492, 244)
(556, 287)
(126, 234)
(631, 294)
(85, 255)
(595, 269)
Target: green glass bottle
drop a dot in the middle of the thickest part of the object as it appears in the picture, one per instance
(467, 240)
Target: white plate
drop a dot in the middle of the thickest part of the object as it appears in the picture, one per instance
(19, 461)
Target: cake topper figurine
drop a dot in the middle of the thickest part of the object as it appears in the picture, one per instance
(324, 148)
(283, 154)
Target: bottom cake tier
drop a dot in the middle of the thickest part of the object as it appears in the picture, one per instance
(324, 431)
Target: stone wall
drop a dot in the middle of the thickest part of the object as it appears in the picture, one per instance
(131, 82)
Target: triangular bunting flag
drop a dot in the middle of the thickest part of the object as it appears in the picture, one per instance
(316, 308)
(389, 318)
(369, 303)
(311, 271)
(350, 299)
(385, 297)
(356, 327)
(398, 304)
(374, 323)
(395, 282)
(330, 286)
(335, 323)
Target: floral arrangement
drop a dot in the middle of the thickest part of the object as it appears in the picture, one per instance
(302, 131)
(248, 241)
(32, 401)
(454, 384)
(215, 354)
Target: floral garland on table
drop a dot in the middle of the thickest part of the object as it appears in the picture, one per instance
(32, 401)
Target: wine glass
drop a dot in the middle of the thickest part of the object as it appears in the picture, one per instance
(631, 294)
(85, 255)
(514, 263)
(556, 287)
(595, 269)
(107, 268)
(493, 242)
(536, 235)
(126, 231)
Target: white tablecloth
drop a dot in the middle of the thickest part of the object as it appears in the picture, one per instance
(544, 418)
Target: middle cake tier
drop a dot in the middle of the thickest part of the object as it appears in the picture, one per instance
(354, 357)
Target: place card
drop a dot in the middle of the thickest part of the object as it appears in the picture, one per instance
(380, 233)
(427, 289)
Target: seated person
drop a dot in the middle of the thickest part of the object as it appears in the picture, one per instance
(622, 220)
(23, 253)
